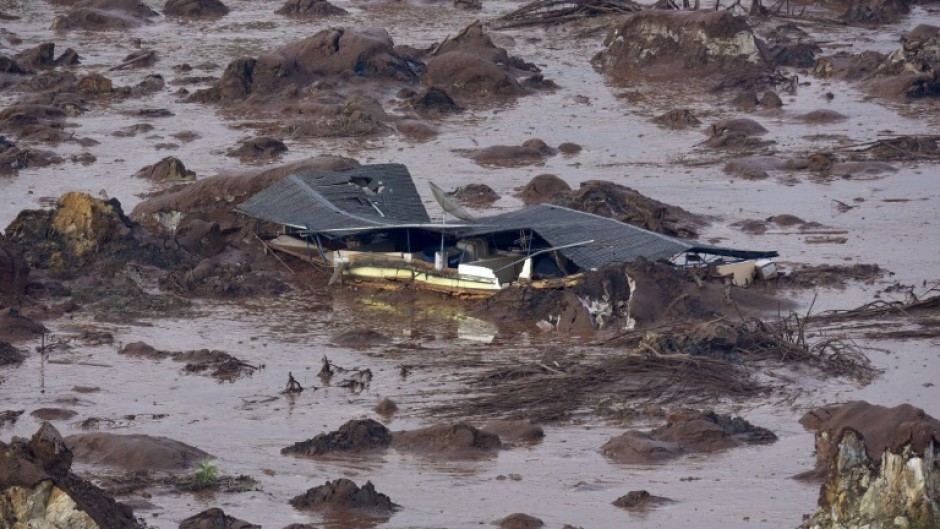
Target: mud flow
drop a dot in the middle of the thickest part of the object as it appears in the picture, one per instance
(160, 363)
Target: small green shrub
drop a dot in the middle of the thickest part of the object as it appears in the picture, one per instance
(205, 474)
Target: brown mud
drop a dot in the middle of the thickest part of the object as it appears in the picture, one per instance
(185, 273)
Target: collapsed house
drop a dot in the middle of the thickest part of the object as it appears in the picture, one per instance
(369, 224)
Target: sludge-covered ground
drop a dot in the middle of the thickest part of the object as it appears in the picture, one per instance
(564, 479)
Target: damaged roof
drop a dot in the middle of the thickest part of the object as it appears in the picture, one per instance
(383, 196)
(612, 241)
(364, 197)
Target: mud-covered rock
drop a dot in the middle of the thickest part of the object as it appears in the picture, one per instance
(880, 466)
(515, 432)
(359, 337)
(875, 11)
(354, 436)
(310, 9)
(533, 151)
(680, 118)
(611, 200)
(435, 101)
(103, 15)
(469, 66)
(344, 495)
(685, 432)
(34, 122)
(133, 451)
(15, 327)
(670, 45)
(445, 439)
(43, 56)
(258, 149)
(195, 8)
(37, 488)
(640, 500)
(215, 518)
(542, 188)
(169, 169)
(9, 355)
(14, 274)
(53, 414)
(520, 521)
(83, 232)
(217, 364)
(823, 115)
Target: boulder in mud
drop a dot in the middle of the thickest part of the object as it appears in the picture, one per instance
(542, 188)
(635, 447)
(344, 495)
(434, 101)
(520, 521)
(215, 518)
(15, 327)
(822, 115)
(43, 56)
(533, 151)
(310, 9)
(879, 465)
(668, 45)
(169, 169)
(354, 436)
(195, 8)
(445, 439)
(37, 488)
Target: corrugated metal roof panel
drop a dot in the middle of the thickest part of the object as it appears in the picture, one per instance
(369, 195)
(613, 241)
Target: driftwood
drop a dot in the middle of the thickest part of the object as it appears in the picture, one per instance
(549, 12)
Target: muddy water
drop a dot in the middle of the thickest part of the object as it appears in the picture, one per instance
(564, 479)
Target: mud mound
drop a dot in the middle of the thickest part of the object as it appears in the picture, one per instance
(37, 488)
(533, 151)
(685, 432)
(344, 495)
(670, 45)
(876, 11)
(134, 451)
(515, 432)
(469, 66)
(354, 436)
(458, 439)
(14, 273)
(416, 130)
(82, 232)
(360, 338)
(43, 56)
(640, 500)
(9, 355)
(822, 116)
(259, 149)
(53, 414)
(195, 8)
(218, 364)
(213, 199)
(15, 327)
(630, 206)
(311, 9)
(829, 276)
(169, 169)
(543, 188)
(680, 118)
(103, 15)
(336, 53)
(434, 101)
(520, 521)
(475, 195)
(599, 301)
(215, 518)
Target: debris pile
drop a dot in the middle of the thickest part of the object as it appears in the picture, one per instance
(217, 364)
(354, 436)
